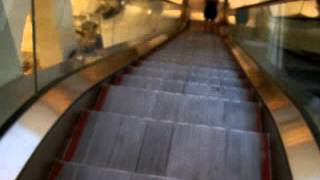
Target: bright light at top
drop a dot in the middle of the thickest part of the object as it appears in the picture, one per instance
(240, 3)
(133, 9)
(171, 13)
(305, 8)
(197, 16)
(177, 1)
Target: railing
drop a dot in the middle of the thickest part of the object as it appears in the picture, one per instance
(277, 45)
(284, 39)
(45, 41)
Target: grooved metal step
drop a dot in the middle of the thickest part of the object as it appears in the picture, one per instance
(75, 171)
(189, 60)
(182, 114)
(185, 76)
(179, 150)
(181, 108)
(204, 71)
(178, 86)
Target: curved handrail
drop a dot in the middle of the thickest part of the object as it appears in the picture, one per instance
(302, 153)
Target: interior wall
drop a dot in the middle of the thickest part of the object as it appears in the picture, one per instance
(16, 13)
(55, 33)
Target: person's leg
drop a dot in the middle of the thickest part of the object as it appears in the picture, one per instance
(210, 24)
(205, 24)
(213, 26)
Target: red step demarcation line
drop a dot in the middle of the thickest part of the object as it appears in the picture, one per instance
(117, 80)
(71, 147)
(249, 95)
(265, 168)
(258, 113)
(137, 63)
(101, 98)
(76, 135)
(55, 171)
(75, 139)
(128, 70)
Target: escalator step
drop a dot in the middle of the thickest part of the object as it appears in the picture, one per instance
(184, 151)
(205, 71)
(244, 155)
(152, 83)
(155, 148)
(182, 108)
(176, 86)
(74, 171)
(200, 153)
(190, 60)
(204, 53)
(174, 75)
(197, 72)
(185, 113)
(127, 146)
(111, 141)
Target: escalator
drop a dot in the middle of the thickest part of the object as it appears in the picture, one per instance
(185, 112)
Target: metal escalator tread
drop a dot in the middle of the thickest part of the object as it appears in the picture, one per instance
(203, 153)
(155, 148)
(174, 56)
(192, 71)
(152, 83)
(184, 113)
(190, 61)
(179, 150)
(174, 75)
(196, 69)
(75, 171)
(181, 107)
(179, 86)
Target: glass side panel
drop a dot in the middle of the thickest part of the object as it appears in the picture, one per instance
(69, 35)
(285, 41)
(16, 64)
(79, 29)
(138, 19)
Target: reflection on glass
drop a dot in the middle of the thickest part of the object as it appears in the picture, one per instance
(26, 47)
(296, 9)
(241, 3)
(79, 29)
(138, 19)
(15, 44)
(69, 34)
(55, 33)
(16, 64)
(284, 39)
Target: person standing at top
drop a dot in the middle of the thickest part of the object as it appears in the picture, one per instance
(210, 13)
